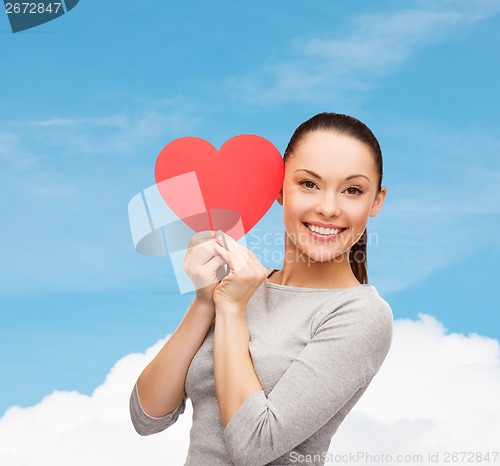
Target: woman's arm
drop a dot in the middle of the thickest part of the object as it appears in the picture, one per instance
(234, 374)
(161, 384)
(235, 378)
(325, 380)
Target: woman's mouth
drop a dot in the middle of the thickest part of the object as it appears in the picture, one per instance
(323, 233)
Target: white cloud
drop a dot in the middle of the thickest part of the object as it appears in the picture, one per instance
(435, 392)
(328, 68)
(71, 427)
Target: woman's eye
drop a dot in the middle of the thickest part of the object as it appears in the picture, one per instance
(308, 184)
(354, 191)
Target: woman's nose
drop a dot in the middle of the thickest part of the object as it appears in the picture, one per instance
(328, 205)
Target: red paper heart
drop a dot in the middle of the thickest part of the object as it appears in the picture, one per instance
(242, 179)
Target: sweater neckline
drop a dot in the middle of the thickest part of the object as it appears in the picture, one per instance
(306, 289)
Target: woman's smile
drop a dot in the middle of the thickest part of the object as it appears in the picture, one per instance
(323, 233)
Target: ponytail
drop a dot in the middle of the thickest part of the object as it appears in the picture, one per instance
(358, 259)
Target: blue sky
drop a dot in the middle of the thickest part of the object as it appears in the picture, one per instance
(89, 100)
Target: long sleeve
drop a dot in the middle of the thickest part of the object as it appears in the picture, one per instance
(335, 366)
(145, 424)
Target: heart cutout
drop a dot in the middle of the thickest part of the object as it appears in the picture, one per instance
(238, 182)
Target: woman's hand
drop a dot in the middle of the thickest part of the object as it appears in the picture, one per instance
(201, 263)
(246, 273)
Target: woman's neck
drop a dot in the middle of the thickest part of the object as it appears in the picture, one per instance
(313, 274)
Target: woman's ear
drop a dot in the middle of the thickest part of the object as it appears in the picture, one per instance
(280, 197)
(378, 202)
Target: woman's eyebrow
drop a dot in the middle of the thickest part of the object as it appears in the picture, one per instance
(350, 177)
(308, 171)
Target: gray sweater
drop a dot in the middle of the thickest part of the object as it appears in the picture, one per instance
(314, 350)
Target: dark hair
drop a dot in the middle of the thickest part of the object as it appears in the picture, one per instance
(349, 126)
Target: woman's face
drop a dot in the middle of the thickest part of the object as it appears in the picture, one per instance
(330, 186)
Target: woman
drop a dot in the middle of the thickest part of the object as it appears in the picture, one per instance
(273, 362)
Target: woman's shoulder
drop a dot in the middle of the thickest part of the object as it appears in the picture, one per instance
(368, 311)
(367, 301)
(358, 302)
(367, 293)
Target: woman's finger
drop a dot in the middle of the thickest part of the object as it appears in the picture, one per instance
(201, 253)
(240, 254)
(238, 257)
(214, 269)
(214, 263)
(224, 254)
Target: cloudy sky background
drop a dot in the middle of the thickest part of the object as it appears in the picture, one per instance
(89, 100)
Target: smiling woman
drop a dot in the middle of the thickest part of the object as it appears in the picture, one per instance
(273, 361)
(333, 172)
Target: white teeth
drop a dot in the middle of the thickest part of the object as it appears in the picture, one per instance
(322, 230)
